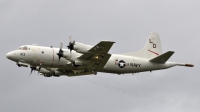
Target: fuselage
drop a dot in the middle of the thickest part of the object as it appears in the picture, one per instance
(81, 59)
(46, 57)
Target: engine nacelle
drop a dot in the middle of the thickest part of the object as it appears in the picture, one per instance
(59, 73)
(43, 70)
(51, 69)
(22, 64)
(77, 63)
(46, 75)
(66, 54)
(81, 48)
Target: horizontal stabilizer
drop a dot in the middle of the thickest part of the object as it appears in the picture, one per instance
(162, 58)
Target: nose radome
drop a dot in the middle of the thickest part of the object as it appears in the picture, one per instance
(9, 55)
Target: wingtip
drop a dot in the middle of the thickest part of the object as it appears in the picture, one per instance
(108, 41)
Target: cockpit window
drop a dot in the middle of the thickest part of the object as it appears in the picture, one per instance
(23, 48)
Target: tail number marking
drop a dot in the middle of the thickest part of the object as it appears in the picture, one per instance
(154, 45)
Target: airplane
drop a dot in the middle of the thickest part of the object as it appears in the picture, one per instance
(81, 59)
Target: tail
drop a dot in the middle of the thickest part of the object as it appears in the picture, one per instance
(152, 48)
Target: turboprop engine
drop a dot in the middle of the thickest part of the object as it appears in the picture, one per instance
(48, 72)
(43, 70)
(22, 64)
(78, 47)
(63, 53)
(81, 48)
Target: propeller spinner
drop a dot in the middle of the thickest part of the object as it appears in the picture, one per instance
(71, 44)
(60, 53)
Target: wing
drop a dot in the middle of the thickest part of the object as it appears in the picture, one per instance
(102, 47)
(98, 54)
(95, 60)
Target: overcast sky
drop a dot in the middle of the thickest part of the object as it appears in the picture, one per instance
(128, 23)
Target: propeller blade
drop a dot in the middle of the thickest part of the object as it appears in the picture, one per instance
(39, 70)
(60, 53)
(18, 65)
(32, 69)
(70, 39)
(61, 45)
(73, 42)
(71, 45)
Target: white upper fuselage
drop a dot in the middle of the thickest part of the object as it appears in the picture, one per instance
(84, 59)
(47, 57)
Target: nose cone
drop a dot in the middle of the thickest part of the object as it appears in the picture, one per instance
(10, 55)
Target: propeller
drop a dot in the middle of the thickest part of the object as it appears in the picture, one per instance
(60, 53)
(18, 64)
(70, 47)
(71, 44)
(39, 70)
(32, 69)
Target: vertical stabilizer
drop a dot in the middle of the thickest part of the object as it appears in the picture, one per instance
(152, 48)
